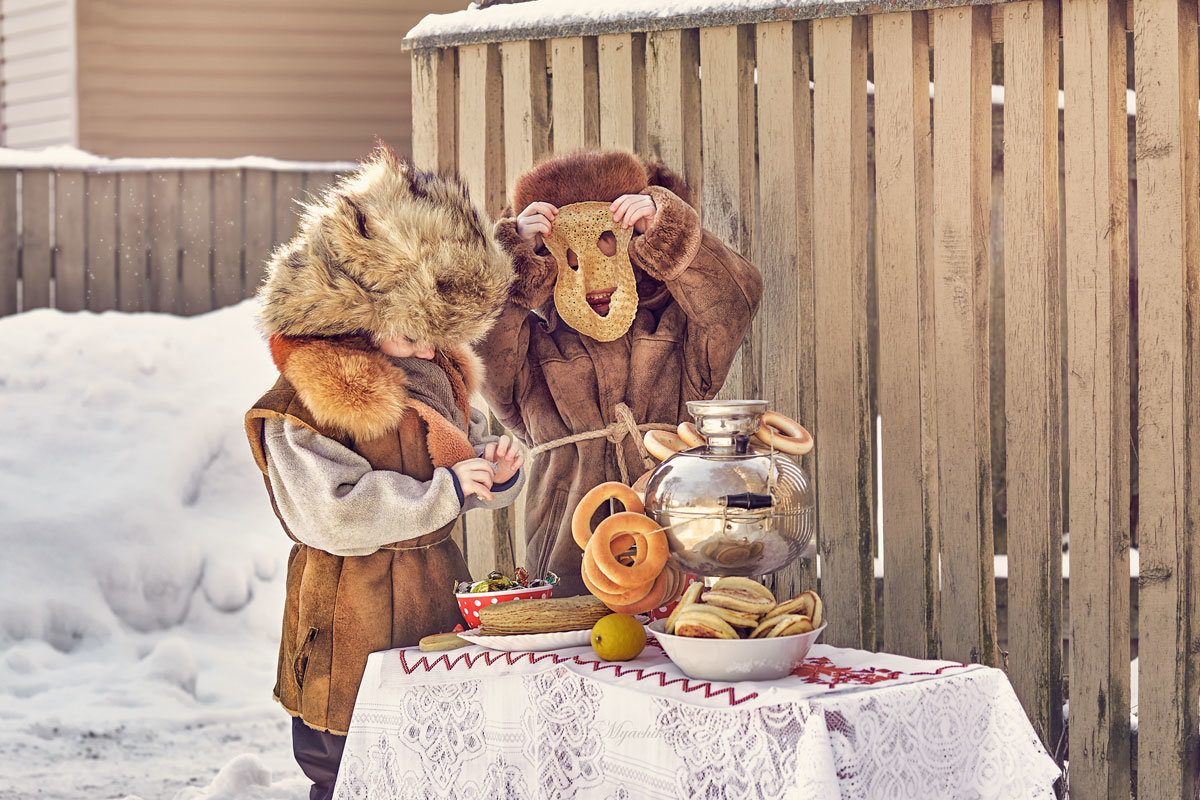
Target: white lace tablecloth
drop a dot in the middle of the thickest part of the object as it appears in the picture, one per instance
(480, 724)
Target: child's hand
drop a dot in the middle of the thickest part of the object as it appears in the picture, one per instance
(475, 477)
(633, 210)
(536, 220)
(506, 454)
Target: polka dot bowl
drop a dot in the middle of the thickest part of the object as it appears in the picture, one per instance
(470, 602)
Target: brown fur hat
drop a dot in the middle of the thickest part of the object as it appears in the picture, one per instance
(602, 175)
(390, 251)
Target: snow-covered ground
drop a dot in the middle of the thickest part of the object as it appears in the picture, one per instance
(141, 569)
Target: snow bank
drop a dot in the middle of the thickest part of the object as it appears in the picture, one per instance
(143, 569)
(73, 158)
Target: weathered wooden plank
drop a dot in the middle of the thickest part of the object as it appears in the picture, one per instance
(1097, 272)
(574, 89)
(504, 530)
(228, 231)
(289, 195)
(844, 470)
(35, 239)
(727, 109)
(101, 259)
(481, 133)
(10, 242)
(315, 184)
(783, 248)
(133, 284)
(526, 107)
(1033, 391)
(1165, 77)
(196, 278)
(164, 231)
(904, 264)
(622, 64)
(434, 107)
(673, 118)
(259, 222)
(481, 164)
(70, 276)
(962, 127)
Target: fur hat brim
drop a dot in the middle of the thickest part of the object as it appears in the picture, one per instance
(390, 251)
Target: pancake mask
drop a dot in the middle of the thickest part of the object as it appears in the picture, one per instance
(578, 227)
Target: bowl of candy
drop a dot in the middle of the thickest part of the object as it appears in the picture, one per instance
(498, 588)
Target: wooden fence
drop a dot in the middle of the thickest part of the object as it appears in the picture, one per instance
(138, 237)
(783, 175)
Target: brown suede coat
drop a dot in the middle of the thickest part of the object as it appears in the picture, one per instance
(546, 381)
(340, 609)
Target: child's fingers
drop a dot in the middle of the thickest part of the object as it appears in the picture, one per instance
(643, 212)
(517, 462)
(490, 451)
(622, 206)
(503, 447)
(623, 198)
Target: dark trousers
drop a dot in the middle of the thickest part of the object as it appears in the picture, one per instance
(319, 754)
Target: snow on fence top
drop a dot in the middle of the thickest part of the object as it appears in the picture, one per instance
(543, 19)
(72, 158)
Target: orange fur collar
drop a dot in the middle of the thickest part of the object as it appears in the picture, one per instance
(351, 387)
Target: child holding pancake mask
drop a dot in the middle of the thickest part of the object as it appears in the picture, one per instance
(570, 357)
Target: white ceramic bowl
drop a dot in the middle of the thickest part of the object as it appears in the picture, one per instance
(735, 659)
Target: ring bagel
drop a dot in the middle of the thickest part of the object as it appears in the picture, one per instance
(690, 436)
(653, 599)
(663, 444)
(600, 585)
(784, 434)
(644, 569)
(581, 519)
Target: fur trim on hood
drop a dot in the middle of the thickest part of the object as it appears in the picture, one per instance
(602, 175)
(390, 251)
(349, 386)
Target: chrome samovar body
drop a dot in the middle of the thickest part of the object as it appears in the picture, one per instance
(729, 508)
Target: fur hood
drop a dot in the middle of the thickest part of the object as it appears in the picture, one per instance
(350, 387)
(389, 251)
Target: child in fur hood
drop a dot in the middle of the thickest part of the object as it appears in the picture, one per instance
(547, 381)
(367, 443)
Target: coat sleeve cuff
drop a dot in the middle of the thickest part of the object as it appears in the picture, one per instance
(536, 274)
(508, 484)
(672, 240)
(462, 498)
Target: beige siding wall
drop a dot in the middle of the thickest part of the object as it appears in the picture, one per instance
(38, 51)
(297, 79)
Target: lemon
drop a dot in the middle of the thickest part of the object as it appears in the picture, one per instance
(618, 637)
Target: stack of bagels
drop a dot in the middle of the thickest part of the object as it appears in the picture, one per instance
(741, 608)
(626, 559)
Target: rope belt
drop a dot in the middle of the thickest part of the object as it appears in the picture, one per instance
(624, 425)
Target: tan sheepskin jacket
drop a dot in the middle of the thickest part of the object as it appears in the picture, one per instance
(339, 609)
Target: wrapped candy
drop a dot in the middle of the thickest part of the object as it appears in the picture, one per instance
(497, 581)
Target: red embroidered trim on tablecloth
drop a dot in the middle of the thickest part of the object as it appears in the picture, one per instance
(817, 671)
(824, 672)
(490, 657)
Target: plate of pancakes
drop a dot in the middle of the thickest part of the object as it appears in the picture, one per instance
(737, 631)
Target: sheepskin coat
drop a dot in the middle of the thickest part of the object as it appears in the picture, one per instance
(546, 381)
(389, 251)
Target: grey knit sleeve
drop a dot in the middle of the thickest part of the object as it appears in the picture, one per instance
(330, 497)
(479, 432)
(480, 435)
